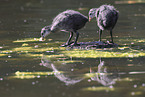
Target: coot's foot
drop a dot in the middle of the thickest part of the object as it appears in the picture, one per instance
(66, 44)
(110, 42)
(74, 44)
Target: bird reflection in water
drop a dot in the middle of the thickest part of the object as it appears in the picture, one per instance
(107, 75)
(65, 76)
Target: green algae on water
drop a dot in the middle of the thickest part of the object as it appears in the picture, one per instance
(104, 53)
(29, 40)
(1, 55)
(98, 89)
(52, 49)
(89, 75)
(31, 75)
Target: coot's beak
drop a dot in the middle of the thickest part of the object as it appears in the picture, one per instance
(90, 19)
(42, 38)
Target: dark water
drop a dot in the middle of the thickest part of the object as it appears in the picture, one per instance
(69, 75)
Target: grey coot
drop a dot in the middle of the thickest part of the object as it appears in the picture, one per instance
(106, 16)
(68, 21)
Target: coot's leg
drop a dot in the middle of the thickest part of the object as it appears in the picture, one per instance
(69, 39)
(100, 33)
(76, 39)
(111, 37)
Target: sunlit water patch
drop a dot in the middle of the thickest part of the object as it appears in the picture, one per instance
(114, 53)
(131, 48)
(29, 40)
(32, 75)
(99, 89)
(129, 2)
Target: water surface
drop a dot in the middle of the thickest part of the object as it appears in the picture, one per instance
(33, 68)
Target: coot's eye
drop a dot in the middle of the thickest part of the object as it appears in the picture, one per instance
(43, 32)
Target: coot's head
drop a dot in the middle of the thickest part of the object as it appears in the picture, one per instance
(92, 13)
(45, 32)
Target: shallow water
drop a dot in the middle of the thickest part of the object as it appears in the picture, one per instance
(29, 67)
